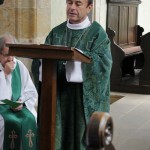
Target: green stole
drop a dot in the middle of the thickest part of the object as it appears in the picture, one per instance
(20, 126)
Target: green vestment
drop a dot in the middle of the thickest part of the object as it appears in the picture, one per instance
(77, 101)
(20, 126)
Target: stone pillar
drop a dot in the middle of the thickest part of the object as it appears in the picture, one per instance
(100, 12)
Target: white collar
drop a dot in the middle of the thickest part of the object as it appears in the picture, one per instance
(82, 25)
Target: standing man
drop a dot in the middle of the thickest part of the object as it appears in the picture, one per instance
(82, 88)
(17, 124)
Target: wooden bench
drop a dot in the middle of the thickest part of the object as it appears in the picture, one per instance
(124, 59)
(129, 63)
(145, 73)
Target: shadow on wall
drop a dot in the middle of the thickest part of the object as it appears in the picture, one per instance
(1, 2)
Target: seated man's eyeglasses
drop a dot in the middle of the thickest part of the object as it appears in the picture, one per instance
(5, 55)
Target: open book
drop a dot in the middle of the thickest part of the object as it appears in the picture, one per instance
(13, 104)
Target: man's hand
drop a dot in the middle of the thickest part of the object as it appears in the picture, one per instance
(9, 67)
(18, 108)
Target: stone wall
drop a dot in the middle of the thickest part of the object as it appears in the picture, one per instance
(30, 20)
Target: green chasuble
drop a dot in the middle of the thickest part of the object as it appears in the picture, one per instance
(77, 101)
(20, 126)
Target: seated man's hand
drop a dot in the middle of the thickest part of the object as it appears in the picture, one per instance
(18, 108)
(9, 67)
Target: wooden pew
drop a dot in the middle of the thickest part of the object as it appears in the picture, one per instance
(134, 57)
(117, 56)
(130, 58)
(145, 73)
(125, 60)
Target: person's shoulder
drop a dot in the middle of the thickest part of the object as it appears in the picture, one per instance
(60, 26)
(97, 26)
(56, 30)
(98, 29)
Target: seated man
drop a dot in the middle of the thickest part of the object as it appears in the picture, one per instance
(17, 124)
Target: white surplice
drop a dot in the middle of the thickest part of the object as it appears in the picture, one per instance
(28, 91)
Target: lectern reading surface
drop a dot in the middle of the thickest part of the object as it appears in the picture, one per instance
(49, 54)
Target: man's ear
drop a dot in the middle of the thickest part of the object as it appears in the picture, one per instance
(90, 7)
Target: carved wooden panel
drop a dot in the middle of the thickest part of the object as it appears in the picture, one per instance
(123, 25)
(122, 18)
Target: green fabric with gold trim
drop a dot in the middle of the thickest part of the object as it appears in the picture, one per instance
(20, 126)
(77, 101)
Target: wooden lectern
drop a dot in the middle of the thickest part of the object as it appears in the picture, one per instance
(49, 55)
